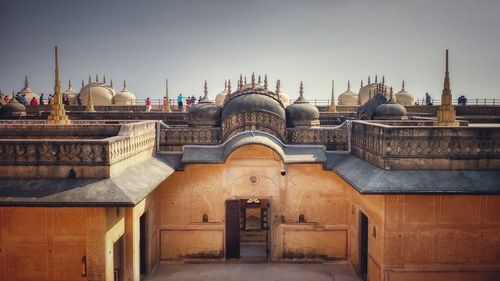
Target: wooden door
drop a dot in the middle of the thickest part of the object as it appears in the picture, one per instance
(232, 229)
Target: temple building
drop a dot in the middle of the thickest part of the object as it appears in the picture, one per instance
(251, 176)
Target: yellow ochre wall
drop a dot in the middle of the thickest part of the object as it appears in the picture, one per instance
(321, 196)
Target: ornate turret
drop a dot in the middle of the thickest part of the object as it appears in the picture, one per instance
(446, 111)
(333, 107)
(57, 114)
(205, 112)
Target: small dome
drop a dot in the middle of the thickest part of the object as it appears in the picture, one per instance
(27, 92)
(302, 113)
(348, 97)
(71, 94)
(253, 108)
(101, 94)
(390, 110)
(205, 112)
(404, 97)
(13, 109)
(125, 97)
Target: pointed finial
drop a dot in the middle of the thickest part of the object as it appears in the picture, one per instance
(383, 79)
(348, 85)
(104, 79)
(369, 80)
(301, 90)
(265, 81)
(229, 86)
(259, 81)
(361, 83)
(111, 83)
(447, 75)
(376, 78)
(403, 86)
(69, 84)
(83, 83)
(166, 88)
(240, 82)
(333, 108)
(57, 82)
(245, 80)
(26, 83)
(225, 85)
(278, 85)
(124, 85)
(205, 89)
(253, 80)
(90, 81)
(97, 78)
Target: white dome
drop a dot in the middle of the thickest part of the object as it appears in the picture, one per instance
(101, 94)
(124, 98)
(404, 97)
(348, 98)
(220, 97)
(71, 94)
(27, 92)
(364, 92)
(284, 98)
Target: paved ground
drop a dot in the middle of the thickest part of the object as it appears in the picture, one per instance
(258, 272)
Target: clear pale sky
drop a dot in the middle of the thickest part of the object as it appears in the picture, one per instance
(292, 40)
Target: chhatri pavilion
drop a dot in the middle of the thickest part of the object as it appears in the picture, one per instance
(103, 190)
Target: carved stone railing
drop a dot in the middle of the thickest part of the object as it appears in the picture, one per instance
(190, 135)
(426, 147)
(334, 138)
(132, 139)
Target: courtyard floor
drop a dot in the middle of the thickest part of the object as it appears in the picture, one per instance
(253, 271)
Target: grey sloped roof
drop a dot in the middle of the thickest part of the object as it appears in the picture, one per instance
(125, 189)
(369, 179)
(219, 153)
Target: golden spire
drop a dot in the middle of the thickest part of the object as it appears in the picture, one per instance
(333, 107)
(446, 115)
(90, 103)
(57, 113)
(166, 104)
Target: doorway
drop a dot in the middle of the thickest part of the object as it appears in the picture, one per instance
(247, 229)
(118, 260)
(142, 244)
(363, 246)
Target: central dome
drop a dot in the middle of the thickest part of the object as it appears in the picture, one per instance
(253, 108)
(102, 94)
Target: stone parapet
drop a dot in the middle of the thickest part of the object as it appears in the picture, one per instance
(334, 138)
(424, 147)
(54, 157)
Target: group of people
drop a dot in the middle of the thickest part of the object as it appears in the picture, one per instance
(189, 101)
